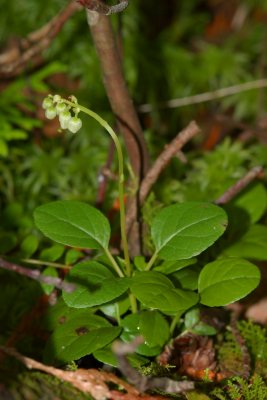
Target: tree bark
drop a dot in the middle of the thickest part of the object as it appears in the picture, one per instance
(118, 93)
(123, 108)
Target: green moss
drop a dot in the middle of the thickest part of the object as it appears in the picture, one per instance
(237, 388)
(256, 341)
(37, 385)
(229, 355)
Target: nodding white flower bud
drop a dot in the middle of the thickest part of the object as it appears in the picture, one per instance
(64, 118)
(57, 98)
(60, 107)
(73, 99)
(51, 112)
(74, 124)
(47, 103)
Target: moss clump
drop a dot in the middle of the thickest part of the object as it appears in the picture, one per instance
(256, 341)
(31, 385)
(237, 388)
(230, 355)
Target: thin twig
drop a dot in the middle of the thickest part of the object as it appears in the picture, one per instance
(26, 52)
(37, 275)
(206, 96)
(165, 157)
(141, 382)
(162, 162)
(233, 191)
(42, 262)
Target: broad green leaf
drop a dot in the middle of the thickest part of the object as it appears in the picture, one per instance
(253, 200)
(191, 318)
(117, 307)
(193, 323)
(186, 278)
(152, 326)
(251, 245)
(204, 329)
(60, 313)
(107, 356)
(182, 231)
(79, 336)
(49, 271)
(227, 280)
(154, 290)
(72, 256)
(73, 223)
(168, 267)
(53, 253)
(140, 263)
(95, 285)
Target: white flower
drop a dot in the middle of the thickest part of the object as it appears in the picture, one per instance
(73, 99)
(64, 118)
(60, 107)
(47, 103)
(57, 98)
(74, 124)
(50, 112)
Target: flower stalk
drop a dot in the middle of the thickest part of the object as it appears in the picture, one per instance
(74, 124)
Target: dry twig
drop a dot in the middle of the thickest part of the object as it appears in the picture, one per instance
(206, 96)
(26, 53)
(233, 191)
(37, 275)
(162, 162)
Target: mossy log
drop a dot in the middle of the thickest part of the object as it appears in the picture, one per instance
(32, 385)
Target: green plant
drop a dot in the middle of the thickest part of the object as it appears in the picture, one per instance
(238, 388)
(119, 297)
(16, 121)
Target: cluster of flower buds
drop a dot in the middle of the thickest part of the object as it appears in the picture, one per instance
(67, 115)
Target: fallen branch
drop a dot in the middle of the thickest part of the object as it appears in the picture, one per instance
(37, 275)
(233, 191)
(26, 52)
(161, 163)
(89, 381)
(206, 96)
